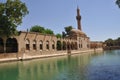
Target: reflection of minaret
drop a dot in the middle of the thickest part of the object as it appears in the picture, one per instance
(78, 17)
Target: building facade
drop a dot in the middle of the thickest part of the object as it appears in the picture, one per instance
(32, 42)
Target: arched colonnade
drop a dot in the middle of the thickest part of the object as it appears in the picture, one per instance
(10, 45)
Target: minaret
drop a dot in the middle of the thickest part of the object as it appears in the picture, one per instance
(78, 18)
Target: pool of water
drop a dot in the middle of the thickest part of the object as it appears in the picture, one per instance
(88, 66)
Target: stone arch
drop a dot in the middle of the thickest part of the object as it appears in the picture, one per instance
(68, 46)
(27, 43)
(41, 45)
(34, 45)
(53, 44)
(11, 45)
(59, 45)
(47, 45)
(1, 45)
(64, 45)
(87, 45)
(76, 46)
(72, 45)
(79, 45)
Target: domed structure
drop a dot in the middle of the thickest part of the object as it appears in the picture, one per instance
(77, 32)
(83, 41)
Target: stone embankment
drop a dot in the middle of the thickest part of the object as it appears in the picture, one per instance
(27, 56)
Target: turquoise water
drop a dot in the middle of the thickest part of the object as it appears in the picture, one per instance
(92, 66)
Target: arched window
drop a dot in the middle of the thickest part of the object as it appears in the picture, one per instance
(47, 44)
(79, 45)
(76, 46)
(34, 45)
(53, 45)
(11, 45)
(59, 45)
(68, 46)
(64, 45)
(27, 42)
(72, 46)
(41, 45)
(87, 45)
(1, 46)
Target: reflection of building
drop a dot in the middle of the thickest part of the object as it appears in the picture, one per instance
(31, 42)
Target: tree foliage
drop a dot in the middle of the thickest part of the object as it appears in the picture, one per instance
(58, 35)
(48, 31)
(11, 15)
(68, 29)
(111, 42)
(118, 3)
(40, 29)
(63, 34)
(37, 28)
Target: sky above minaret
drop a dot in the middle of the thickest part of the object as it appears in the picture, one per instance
(100, 18)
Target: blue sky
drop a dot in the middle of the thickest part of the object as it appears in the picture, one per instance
(100, 18)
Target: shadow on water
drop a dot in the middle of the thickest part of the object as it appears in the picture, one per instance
(88, 66)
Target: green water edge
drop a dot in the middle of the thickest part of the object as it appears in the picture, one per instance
(86, 66)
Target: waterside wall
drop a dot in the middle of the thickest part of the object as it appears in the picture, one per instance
(26, 56)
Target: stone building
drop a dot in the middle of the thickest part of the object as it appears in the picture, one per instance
(83, 42)
(96, 44)
(32, 42)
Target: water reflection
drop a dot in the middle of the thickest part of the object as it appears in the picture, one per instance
(105, 67)
(75, 67)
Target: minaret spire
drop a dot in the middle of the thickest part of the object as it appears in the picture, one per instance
(78, 18)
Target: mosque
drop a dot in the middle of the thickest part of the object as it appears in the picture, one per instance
(35, 43)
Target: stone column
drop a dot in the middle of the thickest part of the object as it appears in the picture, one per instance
(4, 43)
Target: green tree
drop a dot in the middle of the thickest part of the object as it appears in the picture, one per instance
(58, 35)
(48, 31)
(37, 28)
(40, 29)
(68, 29)
(63, 34)
(11, 15)
(118, 41)
(118, 3)
(109, 42)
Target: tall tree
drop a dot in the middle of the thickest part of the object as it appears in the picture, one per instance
(118, 3)
(11, 15)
